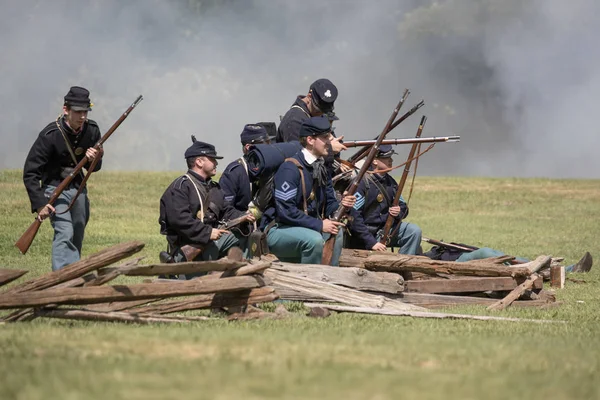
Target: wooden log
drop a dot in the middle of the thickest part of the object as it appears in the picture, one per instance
(557, 277)
(103, 294)
(333, 292)
(355, 278)
(427, 314)
(439, 300)
(106, 275)
(515, 294)
(235, 299)
(466, 285)
(185, 268)
(114, 316)
(82, 267)
(289, 293)
(256, 267)
(376, 261)
(9, 275)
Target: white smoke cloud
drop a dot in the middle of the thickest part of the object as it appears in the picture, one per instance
(210, 73)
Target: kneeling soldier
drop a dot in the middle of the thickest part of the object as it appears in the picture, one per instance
(192, 207)
(373, 203)
(298, 224)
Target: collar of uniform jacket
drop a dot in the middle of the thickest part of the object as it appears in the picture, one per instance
(195, 175)
(308, 157)
(301, 104)
(68, 129)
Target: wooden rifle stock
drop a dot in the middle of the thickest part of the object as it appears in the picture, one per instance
(351, 189)
(26, 238)
(390, 219)
(359, 155)
(433, 139)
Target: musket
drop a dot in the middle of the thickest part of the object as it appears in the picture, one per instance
(433, 139)
(191, 251)
(27, 237)
(359, 155)
(451, 246)
(351, 189)
(390, 219)
(460, 247)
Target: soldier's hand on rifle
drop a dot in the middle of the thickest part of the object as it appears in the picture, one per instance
(379, 247)
(348, 201)
(91, 153)
(250, 217)
(332, 227)
(395, 211)
(45, 212)
(216, 234)
(336, 146)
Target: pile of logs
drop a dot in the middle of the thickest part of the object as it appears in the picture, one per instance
(365, 282)
(394, 284)
(80, 290)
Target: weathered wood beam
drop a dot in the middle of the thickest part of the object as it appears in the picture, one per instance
(426, 314)
(114, 316)
(400, 263)
(439, 300)
(103, 294)
(377, 261)
(466, 285)
(95, 261)
(235, 299)
(184, 268)
(355, 278)
(8, 275)
(333, 292)
(516, 293)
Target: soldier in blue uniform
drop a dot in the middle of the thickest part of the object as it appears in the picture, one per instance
(193, 205)
(298, 224)
(235, 180)
(373, 203)
(59, 147)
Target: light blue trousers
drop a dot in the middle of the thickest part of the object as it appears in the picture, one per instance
(302, 245)
(407, 239)
(69, 227)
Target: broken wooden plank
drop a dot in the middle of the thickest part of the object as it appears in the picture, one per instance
(185, 268)
(114, 316)
(236, 299)
(8, 275)
(557, 277)
(428, 300)
(377, 261)
(103, 294)
(333, 292)
(98, 260)
(426, 314)
(466, 285)
(355, 278)
(515, 294)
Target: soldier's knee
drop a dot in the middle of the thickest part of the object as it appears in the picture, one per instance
(313, 241)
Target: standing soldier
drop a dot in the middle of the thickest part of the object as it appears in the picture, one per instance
(193, 205)
(373, 203)
(298, 223)
(235, 180)
(60, 146)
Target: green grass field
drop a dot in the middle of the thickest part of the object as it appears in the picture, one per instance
(344, 356)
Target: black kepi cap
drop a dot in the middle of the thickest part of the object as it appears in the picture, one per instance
(324, 93)
(198, 149)
(78, 99)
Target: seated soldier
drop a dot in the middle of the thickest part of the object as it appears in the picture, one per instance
(374, 199)
(192, 207)
(235, 181)
(298, 225)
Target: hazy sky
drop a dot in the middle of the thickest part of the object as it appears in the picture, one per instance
(521, 92)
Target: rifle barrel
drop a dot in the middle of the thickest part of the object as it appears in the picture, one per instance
(433, 139)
